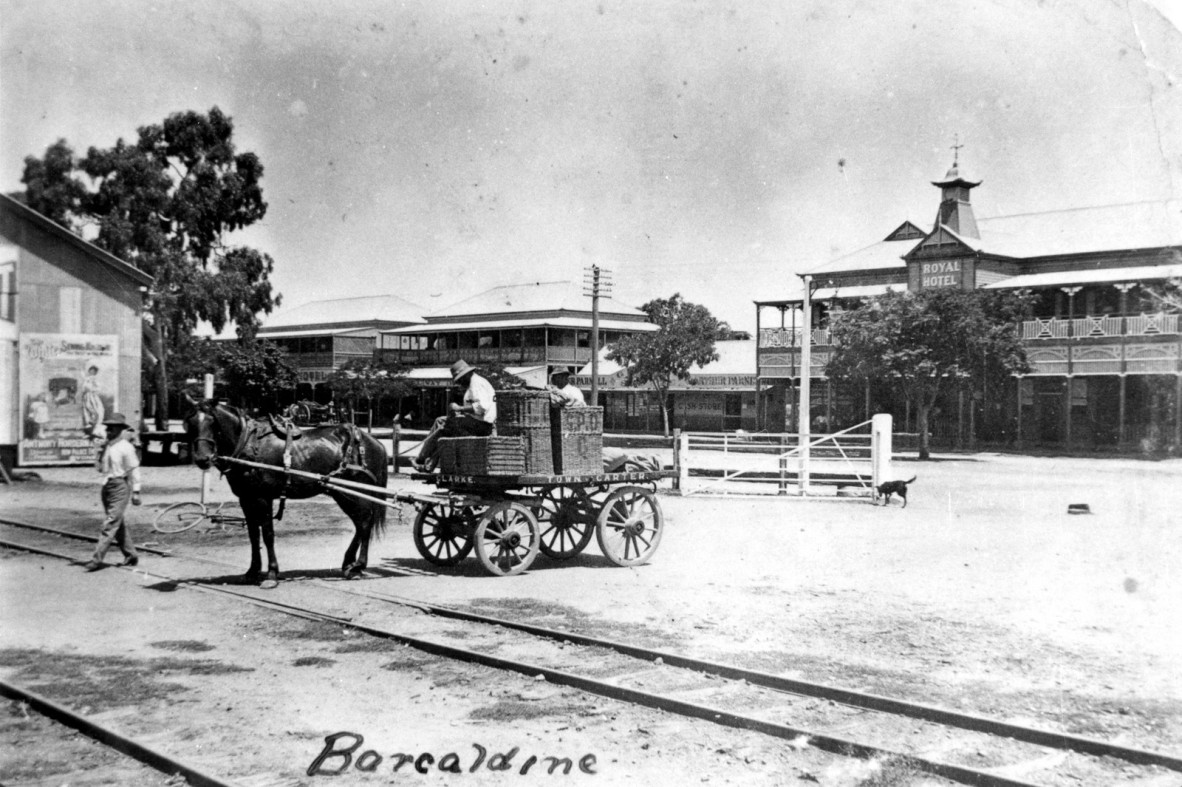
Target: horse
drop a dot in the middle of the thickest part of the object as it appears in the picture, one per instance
(220, 434)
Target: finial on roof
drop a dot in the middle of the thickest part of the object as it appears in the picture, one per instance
(956, 146)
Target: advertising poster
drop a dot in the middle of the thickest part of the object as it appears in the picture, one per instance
(68, 384)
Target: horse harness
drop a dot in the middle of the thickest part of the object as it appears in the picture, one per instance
(284, 428)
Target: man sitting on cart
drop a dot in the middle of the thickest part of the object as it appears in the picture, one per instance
(476, 417)
(563, 393)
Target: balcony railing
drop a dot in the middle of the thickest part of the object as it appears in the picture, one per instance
(508, 356)
(1099, 327)
(1052, 328)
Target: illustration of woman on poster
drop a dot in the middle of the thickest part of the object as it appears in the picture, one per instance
(93, 411)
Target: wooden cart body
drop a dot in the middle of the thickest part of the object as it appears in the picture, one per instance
(508, 519)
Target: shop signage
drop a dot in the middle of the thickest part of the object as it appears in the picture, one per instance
(934, 275)
(68, 384)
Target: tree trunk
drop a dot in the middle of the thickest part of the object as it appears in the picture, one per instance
(161, 377)
(922, 425)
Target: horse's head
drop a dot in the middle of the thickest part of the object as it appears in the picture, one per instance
(204, 432)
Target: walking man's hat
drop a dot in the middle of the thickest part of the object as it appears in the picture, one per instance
(117, 419)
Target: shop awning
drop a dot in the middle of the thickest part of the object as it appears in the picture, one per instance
(856, 291)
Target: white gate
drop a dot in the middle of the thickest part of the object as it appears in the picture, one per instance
(846, 464)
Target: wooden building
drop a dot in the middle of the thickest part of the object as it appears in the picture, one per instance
(1105, 356)
(71, 326)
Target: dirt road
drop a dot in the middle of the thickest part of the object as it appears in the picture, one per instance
(982, 595)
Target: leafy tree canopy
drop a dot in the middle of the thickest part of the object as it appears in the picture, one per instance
(685, 338)
(929, 339)
(166, 203)
(251, 373)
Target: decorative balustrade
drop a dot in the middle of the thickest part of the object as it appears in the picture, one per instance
(790, 337)
(1098, 327)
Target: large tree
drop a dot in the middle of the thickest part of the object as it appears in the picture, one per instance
(168, 204)
(928, 341)
(685, 338)
(251, 373)
(360, 379)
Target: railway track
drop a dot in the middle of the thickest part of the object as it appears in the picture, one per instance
(956, 746)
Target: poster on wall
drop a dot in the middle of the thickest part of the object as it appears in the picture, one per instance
(68, 384)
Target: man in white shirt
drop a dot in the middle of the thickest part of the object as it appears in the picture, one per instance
(563, 393)
(120, 465)
(476, 417)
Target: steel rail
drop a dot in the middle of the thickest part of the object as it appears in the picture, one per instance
(828, 743)
(878, 703)
(111, 738)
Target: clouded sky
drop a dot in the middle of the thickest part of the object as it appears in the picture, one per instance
(434, 149)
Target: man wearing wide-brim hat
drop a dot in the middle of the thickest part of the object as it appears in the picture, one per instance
(120, 465)
(563, 393)
(476, 417)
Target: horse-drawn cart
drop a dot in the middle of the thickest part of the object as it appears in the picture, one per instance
(508, 520)
(536, 486)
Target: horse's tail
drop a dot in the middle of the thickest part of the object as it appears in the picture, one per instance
(378, 464)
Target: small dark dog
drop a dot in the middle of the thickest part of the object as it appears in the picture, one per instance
(888, 488)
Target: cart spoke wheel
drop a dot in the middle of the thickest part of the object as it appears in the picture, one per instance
(443, 533)
(630, 526)
(179, 517)
(567, 521)
(507, 538)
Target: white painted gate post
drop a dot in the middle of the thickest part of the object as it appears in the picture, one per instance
(207, 475)
(880, 448)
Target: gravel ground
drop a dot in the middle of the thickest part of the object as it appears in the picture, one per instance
(983, 595)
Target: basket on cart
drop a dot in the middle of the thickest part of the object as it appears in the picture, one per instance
(577, 439)
(526, 415)
(482, 456)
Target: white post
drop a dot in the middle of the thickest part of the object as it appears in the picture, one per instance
(881, 425)
(206, 475)
(682, 463)
(804, 389)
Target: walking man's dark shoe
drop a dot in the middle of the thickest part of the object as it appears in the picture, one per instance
(93, 565)
(134, 560)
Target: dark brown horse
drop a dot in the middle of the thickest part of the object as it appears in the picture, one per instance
(221, 434)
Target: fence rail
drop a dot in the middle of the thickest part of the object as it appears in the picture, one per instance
(843, 463)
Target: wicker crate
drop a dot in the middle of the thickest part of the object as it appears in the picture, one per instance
(577, 440)
(578, 453)
(497, 455)
(523, 408)
(447, 456)
(578, 419)
(539, 457)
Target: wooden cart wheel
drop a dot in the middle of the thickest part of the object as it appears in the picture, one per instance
(507, 538)
(567, 520)
(630, 526)
(443, 534)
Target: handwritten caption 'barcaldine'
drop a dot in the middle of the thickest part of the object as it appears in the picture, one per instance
(340, 753)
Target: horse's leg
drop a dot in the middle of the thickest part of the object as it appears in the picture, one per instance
(253, 510)
(268, 525)
(357, 554)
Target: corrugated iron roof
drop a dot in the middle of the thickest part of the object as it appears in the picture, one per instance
(547, 296)
(581, 323)
(1138, 225)
(365, 308)
(1091, 276)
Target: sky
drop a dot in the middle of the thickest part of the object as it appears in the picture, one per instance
(435, 149)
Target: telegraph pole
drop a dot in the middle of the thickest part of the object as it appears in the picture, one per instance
(596, 282)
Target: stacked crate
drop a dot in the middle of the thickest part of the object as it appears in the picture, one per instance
(526, 415)
(481, 456)
(577, 440)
